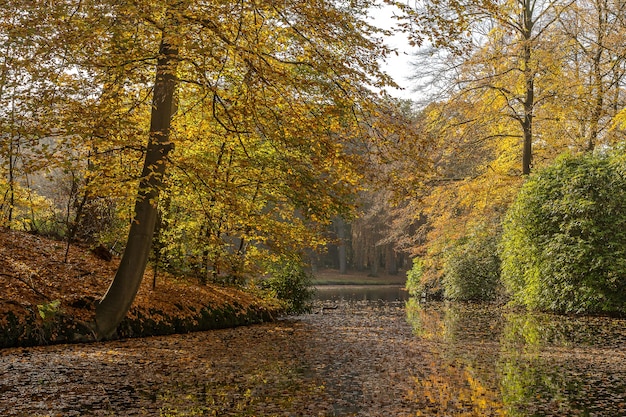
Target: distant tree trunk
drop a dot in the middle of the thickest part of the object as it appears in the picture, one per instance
(11, 189)
(120, 295)
(72, 200)
(374, 261)
(341, 248)
(391, 265)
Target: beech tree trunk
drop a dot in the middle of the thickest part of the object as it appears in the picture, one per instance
(120, 295)
(529, 81)
(341, 248)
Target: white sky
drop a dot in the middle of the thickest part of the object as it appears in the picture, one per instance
(398, 67)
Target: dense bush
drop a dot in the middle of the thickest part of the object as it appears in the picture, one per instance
(414, 277)
(564, 242)
(419, 285)
(469, 271)
(290, 283)
(472, 269)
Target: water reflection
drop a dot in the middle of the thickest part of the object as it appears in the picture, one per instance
(502, 362)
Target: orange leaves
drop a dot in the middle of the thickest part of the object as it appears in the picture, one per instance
(57, 299)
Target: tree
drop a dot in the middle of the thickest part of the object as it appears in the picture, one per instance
(500, 51)
(519, 78)
(591, 33)
(30, 140)
(121, 293)
(487, 70)
(468, 188)
(292, 75)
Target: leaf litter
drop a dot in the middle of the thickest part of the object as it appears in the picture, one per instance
(36, 285)
(359, 359)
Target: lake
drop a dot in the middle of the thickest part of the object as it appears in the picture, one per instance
(360, 292)
(498, 361)
(354, 355)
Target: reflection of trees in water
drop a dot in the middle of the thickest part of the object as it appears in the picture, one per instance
(455, 322)
(487, 360)
(459, 380)
(556, 364)
(456, 390)
(523, 377)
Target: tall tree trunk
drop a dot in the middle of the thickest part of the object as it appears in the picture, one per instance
(120, 295)
(527, 127)
(391, 264)
(341, 248)
(529, 81)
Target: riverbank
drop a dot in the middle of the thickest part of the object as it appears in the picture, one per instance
(47, 299)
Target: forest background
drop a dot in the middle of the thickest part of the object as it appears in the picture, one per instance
(259, 134)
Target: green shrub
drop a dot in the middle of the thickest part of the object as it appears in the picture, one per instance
(564, 241)
(291, 284)
(472, 269)
(414, 278)
(419, 285)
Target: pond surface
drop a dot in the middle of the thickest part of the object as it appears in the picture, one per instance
(347, 358)
(502, 362)
(361, 293)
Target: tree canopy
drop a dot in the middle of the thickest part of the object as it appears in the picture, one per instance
(505, 88)
(232, 134)
(242, 124)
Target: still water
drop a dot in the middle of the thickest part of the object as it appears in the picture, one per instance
(483, 359)
(360, 293)
(355, 354)
(503, 362)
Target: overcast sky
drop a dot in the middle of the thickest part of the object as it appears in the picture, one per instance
(397, 66)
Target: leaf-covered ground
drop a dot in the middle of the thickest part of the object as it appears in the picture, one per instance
(345, 359)
(312, 366)
(35, 279)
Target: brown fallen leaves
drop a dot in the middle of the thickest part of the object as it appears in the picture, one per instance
(340, 363)
(35, 281)
(359, 359)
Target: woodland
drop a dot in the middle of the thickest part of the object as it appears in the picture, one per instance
(177, 166)
(246, 143)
